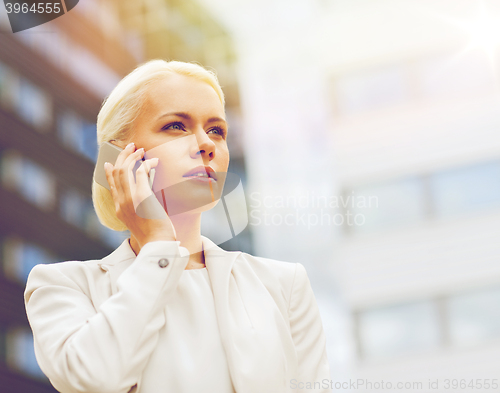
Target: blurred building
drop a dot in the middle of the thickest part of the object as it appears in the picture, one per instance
(53, 79)
(417, 155)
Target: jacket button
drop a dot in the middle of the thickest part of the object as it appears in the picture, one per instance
(163, 262)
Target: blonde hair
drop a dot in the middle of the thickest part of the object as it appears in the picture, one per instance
(121, 108)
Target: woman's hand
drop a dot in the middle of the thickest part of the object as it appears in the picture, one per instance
(134, 200)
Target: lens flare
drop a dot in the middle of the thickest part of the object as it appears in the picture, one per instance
(483, 31)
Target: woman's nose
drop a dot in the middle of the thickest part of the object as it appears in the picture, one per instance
(204, 147)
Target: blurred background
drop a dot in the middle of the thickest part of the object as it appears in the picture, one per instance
(367, 137)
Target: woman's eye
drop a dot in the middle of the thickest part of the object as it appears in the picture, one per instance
(218, 131)
(174, 126)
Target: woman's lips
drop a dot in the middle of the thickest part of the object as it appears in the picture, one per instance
(204, 179)
(201, 173)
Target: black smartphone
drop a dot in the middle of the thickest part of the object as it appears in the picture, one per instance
(109, 153)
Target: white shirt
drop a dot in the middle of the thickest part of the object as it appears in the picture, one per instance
(189, 353)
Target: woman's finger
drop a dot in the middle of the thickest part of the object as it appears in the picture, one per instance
(130, 163)
(145, 203)
(108, 170)
(129, 149)
(142, 178)
(132, 158)
(124, 173)
(117, 167)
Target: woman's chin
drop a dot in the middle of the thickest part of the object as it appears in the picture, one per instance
(204, 208)
(189, 208)
(197, 201)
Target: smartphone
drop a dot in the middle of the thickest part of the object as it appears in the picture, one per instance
(109, 153)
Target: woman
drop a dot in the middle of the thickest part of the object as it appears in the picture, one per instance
(168, 310)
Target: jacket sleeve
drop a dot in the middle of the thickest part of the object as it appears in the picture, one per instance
(84, 350)
(313, 373)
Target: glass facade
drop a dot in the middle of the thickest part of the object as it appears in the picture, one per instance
(445, 76)
(77, 209)
(20, 353)
(72, 207)
(461, 319)
(388, 204)
(441, 194)
(9, 87)
(431, 78)
(474, 316)
(20, 256)
(29, 179)
(90, 72)
(77, 134)
(374, 89)
(466, 189)
(38, 186)
(70, 57)
(34, 106)
(400, 329)
(28, 101)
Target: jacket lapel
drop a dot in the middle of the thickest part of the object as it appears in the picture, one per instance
(260, 352)
(116, 263)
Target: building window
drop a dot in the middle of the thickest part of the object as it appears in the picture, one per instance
(474, 317)
(52, 44)
(79, 63)
(78, 209)
(441, 194)
(466, 189)
(399, 330)
(372, 89)
(72, 207)
(32, 181)
(30, 102)
(439, 77)
(34, 106)
(385, 205)
(9, 87)
(20, 353)
(19, 257)
(91, 72)
(460, 320)
(451, 76)
(78, 134)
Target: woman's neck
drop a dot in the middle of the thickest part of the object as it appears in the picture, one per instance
(188, 232)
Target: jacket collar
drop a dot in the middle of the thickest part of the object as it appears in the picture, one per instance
(124, 255)
(218, 262)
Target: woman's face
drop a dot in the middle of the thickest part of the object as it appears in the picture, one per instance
(183, 124)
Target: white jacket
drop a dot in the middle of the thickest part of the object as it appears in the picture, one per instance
(95, 323)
